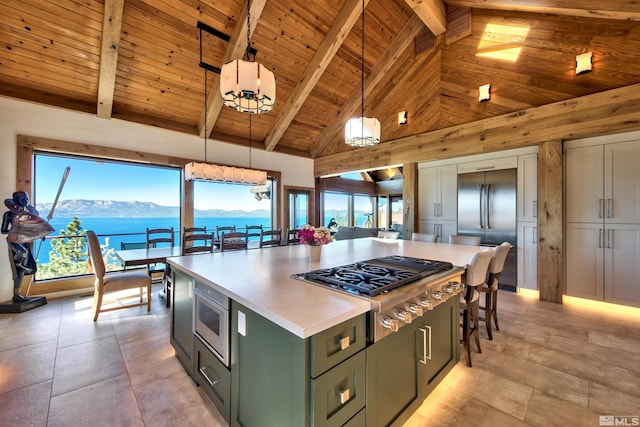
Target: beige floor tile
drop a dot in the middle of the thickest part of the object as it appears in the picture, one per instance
(28, 406)
(87, 363)
(545, 411)
(170, 402)
(25, 366)
(106, 403)
(605, 400)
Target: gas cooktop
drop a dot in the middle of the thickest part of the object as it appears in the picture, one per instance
(376, 276)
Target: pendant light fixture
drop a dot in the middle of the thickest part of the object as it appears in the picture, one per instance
(362, 131)
(246, 85)
(197, 171)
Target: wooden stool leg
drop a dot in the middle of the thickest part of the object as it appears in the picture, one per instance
(465, 336)
(488, 310)
(494, 309)
(476, 321)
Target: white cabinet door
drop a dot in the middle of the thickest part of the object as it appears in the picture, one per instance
(585, 260)
(622, 264)
(443, 229)
(528, 255)
(438, 189)
(584, 184)
(622, 183)
(527, 200)
(429, 194)
(448, 176)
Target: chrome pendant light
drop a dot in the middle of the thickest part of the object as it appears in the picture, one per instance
(362, 131)
(247, 86)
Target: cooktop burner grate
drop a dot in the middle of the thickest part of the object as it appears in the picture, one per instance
(376, 276)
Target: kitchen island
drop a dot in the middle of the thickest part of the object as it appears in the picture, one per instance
(299, 352)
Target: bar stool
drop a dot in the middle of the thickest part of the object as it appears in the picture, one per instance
(424, 237)
(490, 287)
(473, 278)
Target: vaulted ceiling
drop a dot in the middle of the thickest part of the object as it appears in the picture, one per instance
(138, 60)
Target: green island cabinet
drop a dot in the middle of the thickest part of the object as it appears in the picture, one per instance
(181, 331)
(333, 378)
(279, 379)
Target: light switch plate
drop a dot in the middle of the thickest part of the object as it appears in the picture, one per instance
(242, 324)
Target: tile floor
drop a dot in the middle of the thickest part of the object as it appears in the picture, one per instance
(549, 365)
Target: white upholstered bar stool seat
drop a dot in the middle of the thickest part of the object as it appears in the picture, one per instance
(490, 287)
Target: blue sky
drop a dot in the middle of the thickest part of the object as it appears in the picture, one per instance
(91, 180)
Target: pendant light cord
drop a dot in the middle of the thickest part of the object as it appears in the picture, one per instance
(246, 53)
(206, 131)
(362, 73)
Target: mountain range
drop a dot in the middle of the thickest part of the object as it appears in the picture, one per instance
(117, 209)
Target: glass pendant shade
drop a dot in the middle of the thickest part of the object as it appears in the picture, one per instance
(247, 87)
(219, 173)
(362, 132)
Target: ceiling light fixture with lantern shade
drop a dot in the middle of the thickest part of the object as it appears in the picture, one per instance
(362, 131)
(245, 86)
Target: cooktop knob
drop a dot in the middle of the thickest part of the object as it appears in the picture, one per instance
(403, 316)
(415, 309)
(390, 323)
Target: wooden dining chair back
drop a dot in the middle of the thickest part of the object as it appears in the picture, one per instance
(116, 281)
(197, 243)
(465, 240)
(194, 230)
(473, 278)
(253, 231)
(233, 240)
(270, 238)
(292, 239)
(424, 237)
(490, 287)
(224, 229)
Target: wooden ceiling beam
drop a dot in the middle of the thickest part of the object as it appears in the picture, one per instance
(432, 12)
(235, 50)
(326, 51)
(615, 110)
(402, 41)
(111, 25)
(623, 10)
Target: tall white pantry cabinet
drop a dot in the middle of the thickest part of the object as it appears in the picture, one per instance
(602, 201)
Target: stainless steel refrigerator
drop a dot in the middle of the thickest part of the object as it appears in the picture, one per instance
(487, 208)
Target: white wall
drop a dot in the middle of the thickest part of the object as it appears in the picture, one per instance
(23, 118)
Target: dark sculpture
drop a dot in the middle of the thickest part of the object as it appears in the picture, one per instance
(23, 225)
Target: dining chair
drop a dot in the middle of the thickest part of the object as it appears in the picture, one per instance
(197, 243)
(270, 238)
(465, 240)
(474, 277)
(385, 234)
(253, 230)
(490, 287)
(132, 245)
(223, 229)
(233, 240)
(424, 237)
(115, 281)
(161, 237)
(192, 230)
(291, 236)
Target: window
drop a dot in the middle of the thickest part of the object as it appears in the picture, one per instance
(299, 207)
(348, 209)
(117, 200)
(335, 205)
(222, 204)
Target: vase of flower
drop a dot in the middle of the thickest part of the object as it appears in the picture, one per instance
(314, 238)
(315, 252)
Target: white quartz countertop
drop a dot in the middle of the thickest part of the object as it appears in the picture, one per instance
(260, 278)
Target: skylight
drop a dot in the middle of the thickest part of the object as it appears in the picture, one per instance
(503, 42)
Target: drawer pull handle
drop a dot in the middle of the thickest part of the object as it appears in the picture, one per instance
(206, 377)
(344, 396)
(344, 343)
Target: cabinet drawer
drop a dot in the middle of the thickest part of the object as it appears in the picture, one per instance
(330, 347)
(360, 420)
(213, 377)
(338, 394)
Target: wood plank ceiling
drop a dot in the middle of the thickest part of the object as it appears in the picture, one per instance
(137, 60)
